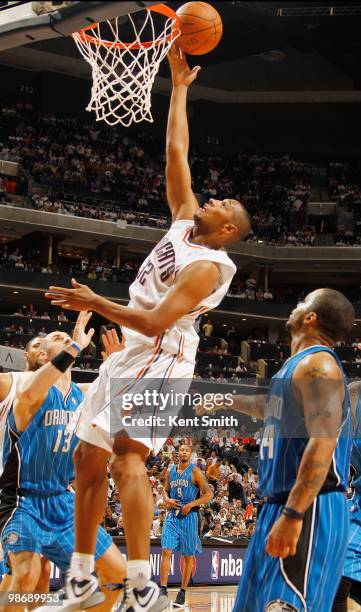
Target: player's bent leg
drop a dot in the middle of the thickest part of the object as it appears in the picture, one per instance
(25, 574)
(342, 595)
(111, 569)
(128, 471)
(25, 570)
(41, 587)
(43, 582)
(91, 486)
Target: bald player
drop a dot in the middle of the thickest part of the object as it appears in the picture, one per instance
(301, 536)
(36, 506)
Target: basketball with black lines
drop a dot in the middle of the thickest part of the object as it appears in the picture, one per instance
(201, 28)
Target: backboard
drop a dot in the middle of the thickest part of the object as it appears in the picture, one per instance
(22, 23)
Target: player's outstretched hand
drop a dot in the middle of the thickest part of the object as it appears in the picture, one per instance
(81, 297)
(79, 334)
(283, 537)
(182, 74)
(111, 343)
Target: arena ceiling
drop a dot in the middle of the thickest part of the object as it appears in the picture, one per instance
(266, 46)
(286, 52)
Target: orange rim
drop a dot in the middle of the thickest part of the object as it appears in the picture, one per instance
(163, 9)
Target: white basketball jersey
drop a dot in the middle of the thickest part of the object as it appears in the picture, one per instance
(158, 274)
(5, 406)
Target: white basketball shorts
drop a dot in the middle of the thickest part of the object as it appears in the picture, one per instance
(135, 369)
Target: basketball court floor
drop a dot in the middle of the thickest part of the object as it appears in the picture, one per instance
(220, 599)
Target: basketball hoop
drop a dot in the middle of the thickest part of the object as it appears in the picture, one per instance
(124, 72)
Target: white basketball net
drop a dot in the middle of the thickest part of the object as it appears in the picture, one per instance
(123, 76)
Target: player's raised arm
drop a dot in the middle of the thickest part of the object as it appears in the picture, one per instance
(319, 388)
(181, 199)
(195, 283)
(33, 387)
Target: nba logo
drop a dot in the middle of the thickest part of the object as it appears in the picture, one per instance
(215, 564)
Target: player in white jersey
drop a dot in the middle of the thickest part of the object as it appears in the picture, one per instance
(186, 274)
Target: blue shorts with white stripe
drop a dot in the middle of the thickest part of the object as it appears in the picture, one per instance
(182, 533)
(308, 581)
(45, 525)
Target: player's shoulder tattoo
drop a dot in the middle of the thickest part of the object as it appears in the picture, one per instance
(315, 372)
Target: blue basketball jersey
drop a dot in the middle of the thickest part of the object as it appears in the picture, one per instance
(285, 435)
(356, 448)
(181, 486)
(40, 459)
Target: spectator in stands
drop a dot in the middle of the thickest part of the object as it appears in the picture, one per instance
(216, 531)
(158, 524)
(207, 329)
(250, 476)
(111, 521)
(207, 522)
(213, 472)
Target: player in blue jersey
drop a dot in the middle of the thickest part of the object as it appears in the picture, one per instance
(36, 507)
(186, 489)
(350, 584)
(295, 558)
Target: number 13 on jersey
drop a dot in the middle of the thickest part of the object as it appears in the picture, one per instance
(267, 442)
(64, 439)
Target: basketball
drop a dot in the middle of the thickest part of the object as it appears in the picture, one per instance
(201, 28)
